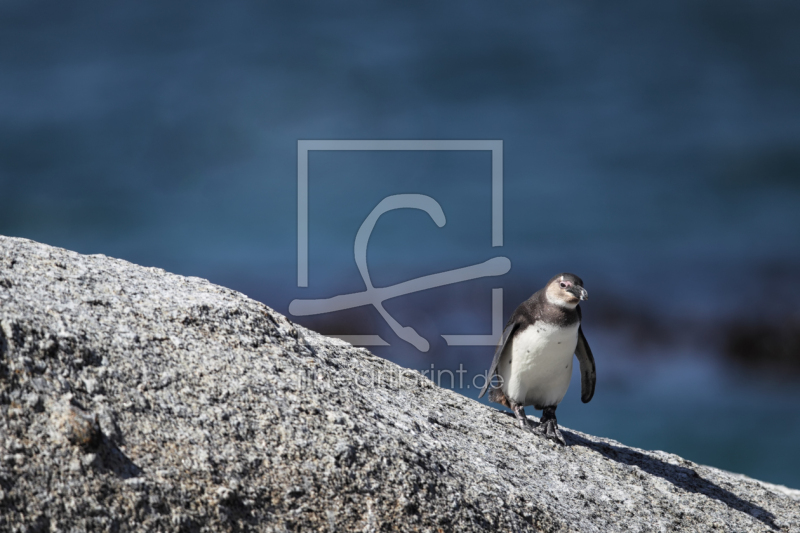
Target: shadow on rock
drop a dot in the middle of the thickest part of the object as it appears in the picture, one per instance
(682, 477)
(112, 459)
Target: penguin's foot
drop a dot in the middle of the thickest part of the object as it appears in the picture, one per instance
(550, 430)
(524, 422)
(548, 426)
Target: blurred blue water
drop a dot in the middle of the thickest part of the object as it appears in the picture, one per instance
(654, 149)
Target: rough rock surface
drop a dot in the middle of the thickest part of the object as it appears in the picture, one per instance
(135, 399)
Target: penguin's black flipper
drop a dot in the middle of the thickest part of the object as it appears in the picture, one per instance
(507, 333)
(588, 374)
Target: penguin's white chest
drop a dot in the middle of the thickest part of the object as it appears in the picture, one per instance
(536, 365)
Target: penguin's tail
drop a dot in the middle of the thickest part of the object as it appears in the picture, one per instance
(496, 395)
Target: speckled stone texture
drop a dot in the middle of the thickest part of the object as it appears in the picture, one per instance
(135, 399)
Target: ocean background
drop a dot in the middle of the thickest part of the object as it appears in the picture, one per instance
(651, 148)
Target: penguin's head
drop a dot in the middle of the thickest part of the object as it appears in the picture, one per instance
(566, 290)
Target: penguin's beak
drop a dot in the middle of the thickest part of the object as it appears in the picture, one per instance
(579, 292)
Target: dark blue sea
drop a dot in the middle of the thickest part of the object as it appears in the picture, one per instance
(651, 148)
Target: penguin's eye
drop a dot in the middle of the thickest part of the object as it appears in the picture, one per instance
(563, 285)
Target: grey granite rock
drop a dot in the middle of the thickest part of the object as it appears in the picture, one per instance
(135, 399)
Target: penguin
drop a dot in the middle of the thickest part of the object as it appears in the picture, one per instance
(533, 360)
